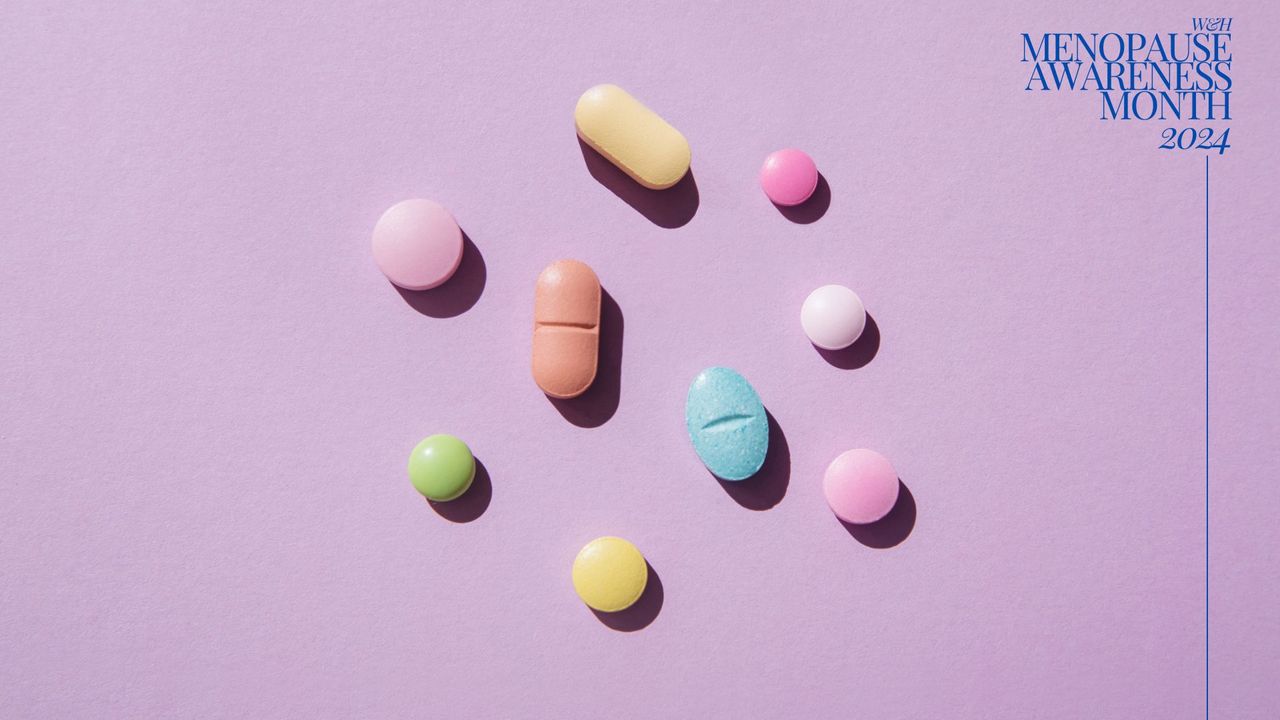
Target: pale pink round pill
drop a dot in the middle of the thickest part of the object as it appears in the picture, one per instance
(833, 317)
(789, 177)
(417, 244)
(861, 486)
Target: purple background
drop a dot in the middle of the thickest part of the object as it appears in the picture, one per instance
(208, 392)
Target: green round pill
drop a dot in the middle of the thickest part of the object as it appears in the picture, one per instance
(441, 467)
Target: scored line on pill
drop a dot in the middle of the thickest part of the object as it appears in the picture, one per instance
(568, 325)
(728, 422)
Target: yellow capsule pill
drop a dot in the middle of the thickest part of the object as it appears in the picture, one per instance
(609, 574)
(632, 136)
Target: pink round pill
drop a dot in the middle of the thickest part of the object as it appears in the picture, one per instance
(417, 244)
(788, 177)
(861, 486)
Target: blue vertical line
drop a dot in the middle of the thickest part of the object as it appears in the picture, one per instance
(1206, 437)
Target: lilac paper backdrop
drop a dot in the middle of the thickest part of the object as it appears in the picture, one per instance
(208, 392)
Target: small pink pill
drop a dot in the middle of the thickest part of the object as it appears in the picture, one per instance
(789, 177)
(417, 244)
(861, 486)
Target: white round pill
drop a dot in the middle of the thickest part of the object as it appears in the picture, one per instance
(833, 317)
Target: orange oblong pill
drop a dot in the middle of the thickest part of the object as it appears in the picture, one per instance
(566, 328)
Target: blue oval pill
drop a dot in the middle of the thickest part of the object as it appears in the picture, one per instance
(727, 423)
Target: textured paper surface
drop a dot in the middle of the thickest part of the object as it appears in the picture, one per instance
(208, 392)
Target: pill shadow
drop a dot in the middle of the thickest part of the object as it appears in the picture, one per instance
(670, 208)
(768, 486)
(471, 504)
(640, 615)
(459, 293)
(810, 210)
(891, 529)
(594, 407)
(860, 353)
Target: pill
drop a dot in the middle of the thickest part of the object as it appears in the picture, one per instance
(788, 177)
(441, 467)
(631, 136)
(417, 244)
(833, 317)
(566, 328)
(861, 486)
(727, 423)
(609, 574)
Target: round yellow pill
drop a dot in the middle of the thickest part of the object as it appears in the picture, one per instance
(610, 574)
